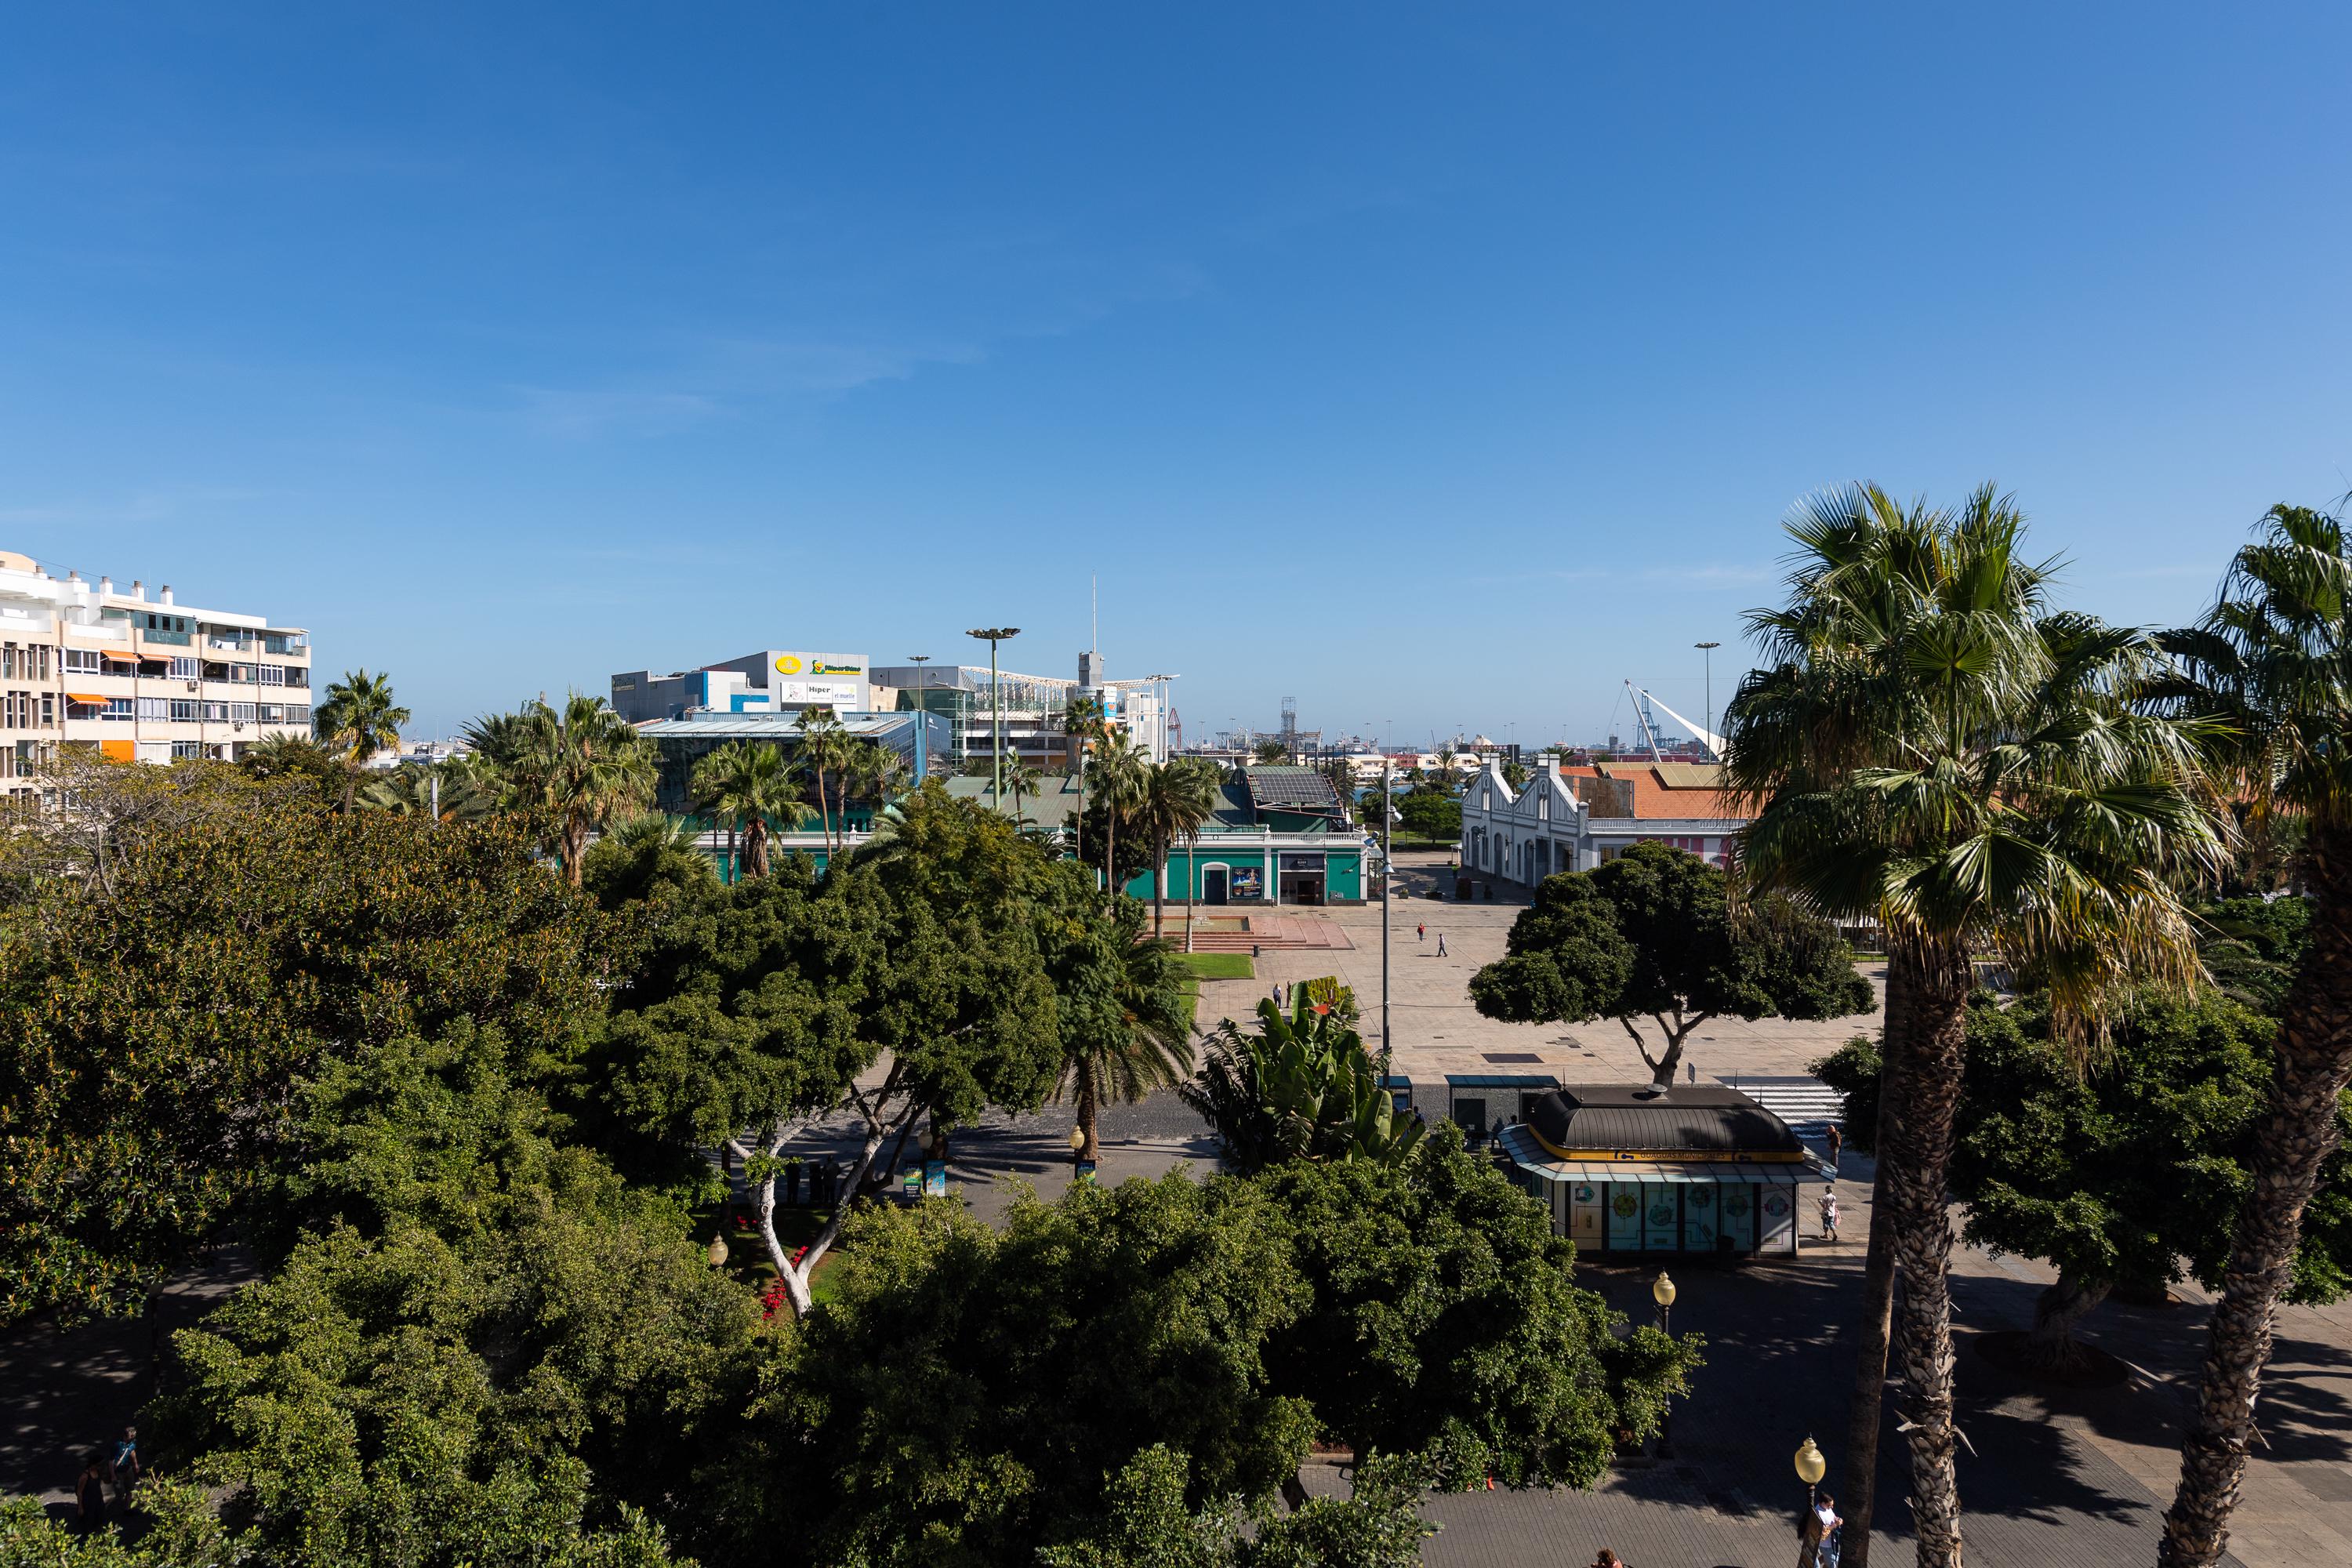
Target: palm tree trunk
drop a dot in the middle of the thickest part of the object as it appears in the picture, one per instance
(755, 846)
(2296, 1135)
(1089, 1107)
(733, 874)
(1111, 851)
(1160, 888)
(1915, 1159)
(1860, 1495)
(1191, 874)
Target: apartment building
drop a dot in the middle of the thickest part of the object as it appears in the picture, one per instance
(134, 678)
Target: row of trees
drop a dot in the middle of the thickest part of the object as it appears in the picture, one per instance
(465, 1115)
(1934, 745)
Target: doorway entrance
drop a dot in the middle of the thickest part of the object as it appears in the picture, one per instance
(1216, 884)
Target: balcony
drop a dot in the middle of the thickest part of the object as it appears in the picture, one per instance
(176, 639)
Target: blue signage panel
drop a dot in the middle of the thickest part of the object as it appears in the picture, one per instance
(1660, 1217)
(1625, 1216)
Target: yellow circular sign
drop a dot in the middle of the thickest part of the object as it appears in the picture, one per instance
(788, 665)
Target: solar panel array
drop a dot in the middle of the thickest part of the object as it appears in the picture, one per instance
(1292, 787)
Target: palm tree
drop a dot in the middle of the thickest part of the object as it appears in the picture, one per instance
(359, 719)
(1119, 783)
(1135, 1038)
(1932, 745)
(825, 751)
(2270, 664)
(1022, 779)
(655, 828)
(1175, 798)
(498, 739)
(751, 786)
(579, 769)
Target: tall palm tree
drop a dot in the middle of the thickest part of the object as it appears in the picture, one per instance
(825, 751)
(1133, 1036)
(1174, 798)
(750, 785)
(655, 828)
(498, 739)
(579, 768)
(1118, 786)
(360, 720)
(1931, 744)
(1022, 779)
(2270, 664)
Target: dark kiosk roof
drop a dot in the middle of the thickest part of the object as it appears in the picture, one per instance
(1708, 1116)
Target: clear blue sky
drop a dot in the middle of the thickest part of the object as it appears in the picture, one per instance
(1444, 364)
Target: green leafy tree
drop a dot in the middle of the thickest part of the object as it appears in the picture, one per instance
(1932, 744)
(1298, 1088)
(359, 719)
(1116, 785)
(1270, 753)
(2119, 1176)
(753, 1017)
(1147, 1524)
(154, 1024)
(279, 755)
(1445, 1323)
(1652, 934)
(1431, 814)
(479, 1338)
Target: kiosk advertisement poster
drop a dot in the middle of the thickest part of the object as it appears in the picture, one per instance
(1624, 1218)
(1740, 1216)
(1248, 882)
(1778, 1220)
(1699, 1217)
(1660, 1217)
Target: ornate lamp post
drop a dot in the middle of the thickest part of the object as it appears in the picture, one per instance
(1811, 1469)
(1662, 1292)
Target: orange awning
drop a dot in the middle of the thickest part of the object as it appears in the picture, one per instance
(118, 750)
(86, 697)
(118, 657)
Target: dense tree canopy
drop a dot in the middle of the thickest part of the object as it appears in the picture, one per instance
(2124, 1175)
(1653, 934)
(154, 1019)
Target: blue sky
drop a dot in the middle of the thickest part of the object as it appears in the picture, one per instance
(1440, 365)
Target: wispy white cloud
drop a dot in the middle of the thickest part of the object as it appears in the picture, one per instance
(580, 414)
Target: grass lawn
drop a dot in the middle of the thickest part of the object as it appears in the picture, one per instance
(1218, 965)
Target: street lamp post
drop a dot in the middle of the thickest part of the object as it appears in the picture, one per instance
(991, 636)
(1707, 651)
(1811, 1469)
(1662, 1292)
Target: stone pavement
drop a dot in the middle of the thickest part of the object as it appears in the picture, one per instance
(1437, 1031)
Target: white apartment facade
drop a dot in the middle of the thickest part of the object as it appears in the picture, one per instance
(134, 678)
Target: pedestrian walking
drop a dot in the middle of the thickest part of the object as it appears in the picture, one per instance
(1823, 1534)
(1441, 944)
(1837, 1144)
(124, 1466)
(90, 1495)
(1608, 1559)
(1829, 1215)
(1421, 930)
(1692, 1068)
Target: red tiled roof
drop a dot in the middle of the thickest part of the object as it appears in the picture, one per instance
(1654, 798)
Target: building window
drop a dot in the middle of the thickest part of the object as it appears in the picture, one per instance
(183, 750)
(83, 661)
(187, 669)
(298, 713)
(217, 712)
(273, 675)
(241, 674)
(297, 675)
(240, 712)
(49, 710)
(185, 710)
(120, 707)
(156, 707)
(269, 712)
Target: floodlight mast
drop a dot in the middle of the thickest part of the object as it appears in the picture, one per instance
(992, 636)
